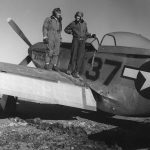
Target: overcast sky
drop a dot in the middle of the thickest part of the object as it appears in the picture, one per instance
(102, 16)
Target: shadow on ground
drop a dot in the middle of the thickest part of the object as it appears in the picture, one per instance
(46, 111)
(129, 134)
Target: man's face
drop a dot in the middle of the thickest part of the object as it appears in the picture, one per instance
(78, 18)
(58, 14)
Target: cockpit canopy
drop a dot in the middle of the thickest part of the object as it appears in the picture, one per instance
(125, 39)
(121, 43)
(116, 39)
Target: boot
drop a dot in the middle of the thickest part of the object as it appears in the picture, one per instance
(48, 66)
(68, 72)
(76, 75)
(55, 68)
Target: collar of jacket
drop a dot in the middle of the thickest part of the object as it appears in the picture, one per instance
(81, 21)
(53, 17)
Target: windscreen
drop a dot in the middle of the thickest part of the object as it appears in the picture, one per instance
(94, 42)
(126, 39)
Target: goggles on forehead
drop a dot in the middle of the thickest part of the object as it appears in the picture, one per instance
(57, 10)
(79, 14)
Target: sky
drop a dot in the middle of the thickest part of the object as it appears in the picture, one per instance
(102, 16)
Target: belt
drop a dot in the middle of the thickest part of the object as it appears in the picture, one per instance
(80, 38)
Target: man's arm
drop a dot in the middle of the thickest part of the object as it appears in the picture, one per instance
(45, 30)
(89, 35)
(68, 29)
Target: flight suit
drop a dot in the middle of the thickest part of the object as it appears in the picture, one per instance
(80, 34)
(52, 30)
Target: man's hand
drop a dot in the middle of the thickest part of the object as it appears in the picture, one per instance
(45, 40)
(51, 53)
(93, 35)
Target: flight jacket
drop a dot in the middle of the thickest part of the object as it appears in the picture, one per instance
(78, 29)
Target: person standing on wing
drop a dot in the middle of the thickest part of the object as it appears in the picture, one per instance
(52, 28)
(79, 31)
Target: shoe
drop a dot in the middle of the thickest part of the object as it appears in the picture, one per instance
(68, 72)
(76, 75)
(48, 67)
(55, 68)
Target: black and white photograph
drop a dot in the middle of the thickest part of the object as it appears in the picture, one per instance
(74, 74)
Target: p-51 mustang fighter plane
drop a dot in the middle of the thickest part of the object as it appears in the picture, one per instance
(115, 76)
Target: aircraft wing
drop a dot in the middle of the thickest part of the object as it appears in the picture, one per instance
(42, 86)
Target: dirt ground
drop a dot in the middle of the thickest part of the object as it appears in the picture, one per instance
(62, 128)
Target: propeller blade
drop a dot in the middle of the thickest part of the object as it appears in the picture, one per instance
(18, 31)
(26, 61)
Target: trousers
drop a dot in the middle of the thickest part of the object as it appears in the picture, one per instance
(77, 55)
(53, 52)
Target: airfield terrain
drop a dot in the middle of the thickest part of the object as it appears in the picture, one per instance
(56, 127)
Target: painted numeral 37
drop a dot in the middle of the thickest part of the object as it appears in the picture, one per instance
(98, 66)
